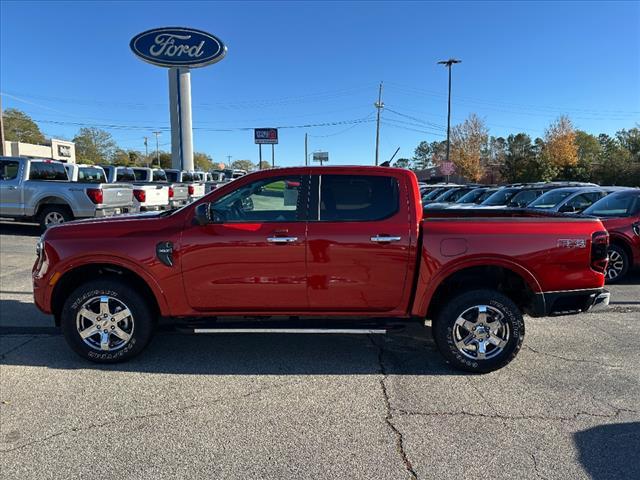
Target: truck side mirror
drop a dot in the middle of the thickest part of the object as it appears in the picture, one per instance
(202, 215)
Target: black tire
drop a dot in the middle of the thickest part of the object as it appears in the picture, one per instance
(618, 265)
(45, 214)
(445, 330)
(118, 293)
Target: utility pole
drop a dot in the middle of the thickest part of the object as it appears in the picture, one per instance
(229, 160)
(157, 134)
(146, 150)
(379, 105)
(2, 149)
(306, 155)
(448, 64)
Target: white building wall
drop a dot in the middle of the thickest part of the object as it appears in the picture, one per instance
(60, 150)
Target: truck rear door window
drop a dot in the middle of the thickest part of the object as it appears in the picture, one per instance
(47, 171)
(8, 169)
(357, 198)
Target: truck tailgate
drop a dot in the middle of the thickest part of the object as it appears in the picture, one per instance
(180, 191)
(116, 194)
(156, 195)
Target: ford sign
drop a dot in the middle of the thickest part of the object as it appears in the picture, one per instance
(178, 47)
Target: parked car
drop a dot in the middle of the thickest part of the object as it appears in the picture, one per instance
(620, 214)
(151, 191)
(330, 243)
(215, 180)
(568, 200)
(449, 197)
(117, 174)
(500, 198)
(40, 191)
(436, 192)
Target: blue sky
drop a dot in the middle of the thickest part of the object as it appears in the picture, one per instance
(305, 63)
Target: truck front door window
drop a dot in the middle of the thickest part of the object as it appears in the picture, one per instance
(268, 200)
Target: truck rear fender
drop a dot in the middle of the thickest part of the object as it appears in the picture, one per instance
(52, 200)
(500, 274)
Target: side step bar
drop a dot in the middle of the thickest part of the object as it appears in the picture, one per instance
(349, 331)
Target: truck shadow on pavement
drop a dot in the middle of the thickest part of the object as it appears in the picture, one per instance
(610, 451)
(19, 229)
(240, 354)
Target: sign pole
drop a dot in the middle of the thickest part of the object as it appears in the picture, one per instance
(259, 156)
(273, 156)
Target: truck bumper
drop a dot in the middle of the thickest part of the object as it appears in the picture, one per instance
(177, 203)
(568, 302)
(111, 211)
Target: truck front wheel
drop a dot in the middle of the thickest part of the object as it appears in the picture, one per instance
(479, 331)
(106, 321)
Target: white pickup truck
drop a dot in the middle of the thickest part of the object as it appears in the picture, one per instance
(147, 195)
(194, 180)
(40, 191)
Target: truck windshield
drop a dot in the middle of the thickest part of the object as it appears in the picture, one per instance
(551, 199)
(472, 196)
(620, 204)
(125, 175)
(140, 174)
(159, 176)
(501, 197)
(187, 177)
(91, 175)
(172, 176)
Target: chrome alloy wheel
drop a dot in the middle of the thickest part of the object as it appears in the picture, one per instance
(105, 323)
(615, 265)
(480, 332)
(53, 218)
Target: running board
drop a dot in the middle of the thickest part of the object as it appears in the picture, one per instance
(348, 331)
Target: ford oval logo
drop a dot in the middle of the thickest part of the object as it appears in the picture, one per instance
(178, 47)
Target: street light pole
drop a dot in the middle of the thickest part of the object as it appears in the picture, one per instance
(448, 64)
(157, 134)
(379, 106)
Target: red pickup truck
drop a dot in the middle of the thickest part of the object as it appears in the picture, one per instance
(325, 249)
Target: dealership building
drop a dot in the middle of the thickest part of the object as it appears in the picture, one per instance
(55, 149)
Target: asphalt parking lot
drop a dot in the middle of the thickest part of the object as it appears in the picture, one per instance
(277, 406)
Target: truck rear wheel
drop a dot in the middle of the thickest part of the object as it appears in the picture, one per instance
(51, 215)
(106, 321)
(479, 331)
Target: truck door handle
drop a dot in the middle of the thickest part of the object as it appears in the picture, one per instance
(282, 239)
(385, 238)
(12, 187)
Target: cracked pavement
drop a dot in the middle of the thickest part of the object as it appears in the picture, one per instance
(277, 406)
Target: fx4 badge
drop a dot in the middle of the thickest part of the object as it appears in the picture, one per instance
(164, 252)
(572, 243)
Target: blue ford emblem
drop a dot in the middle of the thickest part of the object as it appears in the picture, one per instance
(178, 47)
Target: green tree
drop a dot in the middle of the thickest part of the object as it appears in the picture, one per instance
(243, 165)
(19, 127)
(630, 140)
(422, 156)
(403, 163)
(202, 161)
(94, 145)
(264, 165)
(518, 156)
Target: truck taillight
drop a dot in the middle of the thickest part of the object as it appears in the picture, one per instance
(599, 251)
(170, 192)
(191, 190)
(95, 195)
(140, 195)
